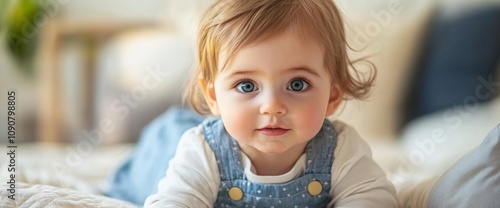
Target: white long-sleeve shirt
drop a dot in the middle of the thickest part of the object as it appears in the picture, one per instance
(192, 179)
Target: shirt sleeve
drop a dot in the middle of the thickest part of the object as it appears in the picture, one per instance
(192, 179)
(357, 181)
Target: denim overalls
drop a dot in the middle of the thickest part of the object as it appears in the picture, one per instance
(310, 190)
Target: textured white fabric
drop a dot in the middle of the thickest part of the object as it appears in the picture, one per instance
(33, 195)
(357, 181)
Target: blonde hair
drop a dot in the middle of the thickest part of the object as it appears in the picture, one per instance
(231, 24)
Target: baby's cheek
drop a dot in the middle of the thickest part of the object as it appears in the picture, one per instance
(237, 123)
(312, 121)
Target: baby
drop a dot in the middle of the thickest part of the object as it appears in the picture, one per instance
(270, 72)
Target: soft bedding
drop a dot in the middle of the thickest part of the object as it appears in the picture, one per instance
(80, 186)
(35, 195)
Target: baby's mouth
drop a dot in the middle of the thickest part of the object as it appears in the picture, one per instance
(272, 131)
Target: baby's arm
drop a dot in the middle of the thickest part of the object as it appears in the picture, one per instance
(192, 178)
(357, 181)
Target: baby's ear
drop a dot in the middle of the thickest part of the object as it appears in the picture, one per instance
(210, 97)
(336, 96)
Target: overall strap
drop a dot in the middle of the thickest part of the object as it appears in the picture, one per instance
(320, 149)
(225, 148)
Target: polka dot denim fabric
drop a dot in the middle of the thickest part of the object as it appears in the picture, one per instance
(310, 190)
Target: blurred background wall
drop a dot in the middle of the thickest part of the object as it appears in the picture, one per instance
(77, 64)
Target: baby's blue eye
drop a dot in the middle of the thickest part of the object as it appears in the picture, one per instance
(298, 85)
(246, 87)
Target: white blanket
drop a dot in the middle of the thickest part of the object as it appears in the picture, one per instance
(34, 195)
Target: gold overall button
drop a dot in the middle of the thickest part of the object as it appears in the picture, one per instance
(314, 188)
(235, 193)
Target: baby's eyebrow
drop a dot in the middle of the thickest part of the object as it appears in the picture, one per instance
(243, 72)
(305, 69)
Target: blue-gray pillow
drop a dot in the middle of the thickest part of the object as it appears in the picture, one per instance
(458, 63)
(138, 177)
(474, 181)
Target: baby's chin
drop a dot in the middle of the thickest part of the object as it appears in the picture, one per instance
(275, 147)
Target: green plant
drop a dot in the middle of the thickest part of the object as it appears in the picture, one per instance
(20, 31)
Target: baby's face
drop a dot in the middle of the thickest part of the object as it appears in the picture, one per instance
(273, 96)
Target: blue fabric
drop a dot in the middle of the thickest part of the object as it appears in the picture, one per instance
(474, 181)
(138, 177)
(319, 157)
(458, 52)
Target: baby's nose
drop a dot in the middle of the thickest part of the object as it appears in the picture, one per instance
(273, 104)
